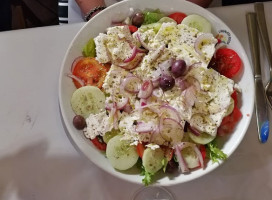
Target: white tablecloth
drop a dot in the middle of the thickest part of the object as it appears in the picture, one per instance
(37, 160)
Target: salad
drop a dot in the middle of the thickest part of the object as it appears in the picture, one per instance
(156, 91)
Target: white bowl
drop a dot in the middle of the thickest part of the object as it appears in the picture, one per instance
(117, 12)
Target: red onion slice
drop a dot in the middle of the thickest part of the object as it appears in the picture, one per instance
(129, 65)
(156, 83)
(167, 111)
(80, 81)
(108, 106)
(182, 165)
(143, 127)
(179, 147)
(199, 155)
(131, 84)
(75, 62)
(143, 44)
(122, 103)
(114, 115)
(194, 65)
(181, 83)
(203, 38)
(127, 108)
(133, 63)
(135, 50)
(156, 53)
(171, 130)
(165, 65)
(146, 89)
(133, 54)
(190, 96)
(194, 130)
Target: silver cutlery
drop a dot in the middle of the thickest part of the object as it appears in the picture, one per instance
(259, 9)
(260, 100)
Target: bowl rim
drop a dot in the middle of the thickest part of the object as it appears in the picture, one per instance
(121, 175)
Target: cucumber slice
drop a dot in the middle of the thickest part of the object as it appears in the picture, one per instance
(190, 157)
(152, 160)
(203, 138)
(198, 22)
(167, 19)
(87, 100)
(121, 154)
(109, 135)
(230, 108)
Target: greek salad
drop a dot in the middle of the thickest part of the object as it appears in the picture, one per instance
(156, 91)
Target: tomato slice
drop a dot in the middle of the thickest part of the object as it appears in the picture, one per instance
(234, 96)
(229, 122)
(227, 62)
(177, 16)
(99, 143)
(202, 149)
(90, 71)
(132, 28)
(168, 153)
(140, 149)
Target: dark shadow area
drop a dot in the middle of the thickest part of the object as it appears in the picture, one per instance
(20, 14)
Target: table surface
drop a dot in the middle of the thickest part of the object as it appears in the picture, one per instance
(37, 160)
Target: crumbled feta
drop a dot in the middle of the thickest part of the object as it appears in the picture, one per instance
(152, 146)
(213, 90)
(97, 124)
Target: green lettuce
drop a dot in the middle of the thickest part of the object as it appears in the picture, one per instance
(152, 16)
(89, 49)
(214, 153)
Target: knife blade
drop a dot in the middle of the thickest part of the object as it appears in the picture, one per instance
(260, 100)
(261, 21)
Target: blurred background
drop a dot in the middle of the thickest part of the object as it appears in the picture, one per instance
(19, 14)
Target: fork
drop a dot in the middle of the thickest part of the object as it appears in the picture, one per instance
(259, 9)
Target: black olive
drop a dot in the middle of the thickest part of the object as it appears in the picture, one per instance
(79, 122)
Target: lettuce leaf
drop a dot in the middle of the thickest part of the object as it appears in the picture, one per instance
(152, 16)
(89, 49)
(214, 153)
(147, 180)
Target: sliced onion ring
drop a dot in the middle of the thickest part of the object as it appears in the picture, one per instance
(143, 127)
(165, 65)
(199, 155)
(146, 89)
(122, 103)
(133, 63)
(190, 96)
(171, 130)
(194, 130)
(114, 115)
(181, 83)
(76, 60)
(135, 50)
(80, 81)
(131, 84)
(133, 54)
(184, 145)
(127, 108)
(182, 165)
(168, 111)
(156, 53)
(142, 42)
